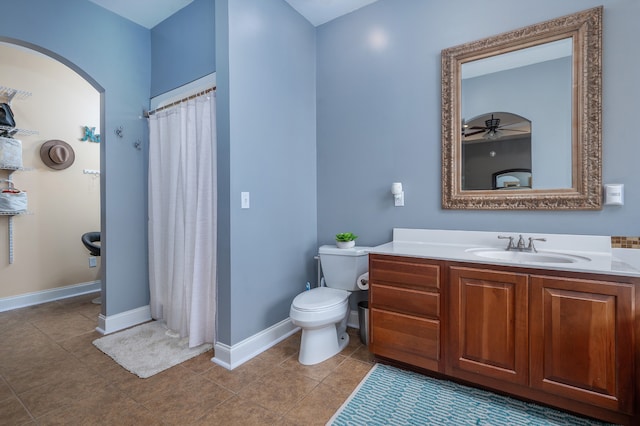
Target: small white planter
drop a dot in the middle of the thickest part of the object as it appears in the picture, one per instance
(345, 244)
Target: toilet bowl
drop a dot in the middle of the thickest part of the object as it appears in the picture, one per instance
(322, 312)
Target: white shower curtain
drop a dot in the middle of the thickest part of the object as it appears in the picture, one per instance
(182, 218)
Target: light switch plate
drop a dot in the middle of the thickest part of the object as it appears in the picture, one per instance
(244, 200)
(614, 194)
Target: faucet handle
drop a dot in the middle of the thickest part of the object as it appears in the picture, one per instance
(531, 246)
(510, 245)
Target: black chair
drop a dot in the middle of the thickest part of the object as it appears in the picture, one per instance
(89, 240)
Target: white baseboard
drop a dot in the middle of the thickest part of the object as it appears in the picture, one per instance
(39, 297)
(112, 323)
(231, 357)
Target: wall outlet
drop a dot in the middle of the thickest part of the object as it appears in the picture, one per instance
(93, 262)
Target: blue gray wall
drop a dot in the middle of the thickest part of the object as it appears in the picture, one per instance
(378, 72)
(114, 55)
(223, 328)
(267, 64)
(183, 47)
(265, 72)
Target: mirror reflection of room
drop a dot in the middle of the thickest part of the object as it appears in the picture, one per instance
(496, 152)
(503, 98)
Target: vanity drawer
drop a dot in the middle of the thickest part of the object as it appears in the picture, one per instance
(407, 301)
(407, 339)
(400, 271)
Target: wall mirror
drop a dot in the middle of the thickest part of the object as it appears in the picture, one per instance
(521, 118)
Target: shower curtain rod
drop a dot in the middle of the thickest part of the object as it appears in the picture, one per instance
(147, 114)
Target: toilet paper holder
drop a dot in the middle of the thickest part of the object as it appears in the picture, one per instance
(363, 281)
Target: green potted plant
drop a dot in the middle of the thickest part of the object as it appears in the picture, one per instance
(346, 240)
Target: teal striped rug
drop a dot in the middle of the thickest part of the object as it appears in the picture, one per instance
(391, 396)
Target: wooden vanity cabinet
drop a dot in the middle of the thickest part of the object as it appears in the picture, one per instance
(582, 343)
(404, 310)
(488, 325)
(569, 340)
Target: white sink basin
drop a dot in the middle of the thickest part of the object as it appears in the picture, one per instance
(528, 257)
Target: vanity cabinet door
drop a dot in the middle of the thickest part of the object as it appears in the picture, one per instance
(404, 302)
(488, 325)
(582, 340)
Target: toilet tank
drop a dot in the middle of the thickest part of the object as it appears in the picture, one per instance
(342, 267)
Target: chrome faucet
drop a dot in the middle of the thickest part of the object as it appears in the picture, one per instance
(520, 245)
(510, 245)
(531, 247)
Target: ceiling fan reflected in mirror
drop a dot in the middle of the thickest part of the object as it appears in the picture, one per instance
(495, 125)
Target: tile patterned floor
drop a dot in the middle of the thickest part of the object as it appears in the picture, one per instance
(51, 374)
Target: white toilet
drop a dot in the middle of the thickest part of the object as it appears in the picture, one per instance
(322, 312)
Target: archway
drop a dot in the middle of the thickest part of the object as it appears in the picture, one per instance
(49, 257)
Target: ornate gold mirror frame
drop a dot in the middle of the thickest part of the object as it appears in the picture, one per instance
(585, 29)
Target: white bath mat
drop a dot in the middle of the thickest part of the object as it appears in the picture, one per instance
(148, 349)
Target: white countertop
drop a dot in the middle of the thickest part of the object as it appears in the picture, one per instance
(459, 246)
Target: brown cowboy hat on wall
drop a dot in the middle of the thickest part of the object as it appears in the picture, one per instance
(57, 154)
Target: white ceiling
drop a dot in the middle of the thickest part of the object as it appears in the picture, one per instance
(150, 13)
(147, 13)
(320, 11)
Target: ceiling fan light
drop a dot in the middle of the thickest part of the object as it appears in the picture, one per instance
(492, 123)
(492, 134)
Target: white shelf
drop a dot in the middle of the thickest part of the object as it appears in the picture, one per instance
(10, 94)
(5, 213)
(14, 169)
(19, 132)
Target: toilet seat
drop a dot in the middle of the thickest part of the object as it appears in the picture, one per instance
(322, 314)
(319, 299)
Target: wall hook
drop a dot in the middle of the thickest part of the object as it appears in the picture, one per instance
(137, 145)
(119, 132)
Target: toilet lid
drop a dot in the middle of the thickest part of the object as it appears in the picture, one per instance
(319, 299)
